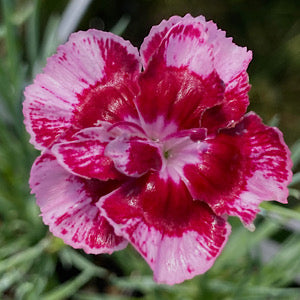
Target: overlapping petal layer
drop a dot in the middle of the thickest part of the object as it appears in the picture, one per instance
(203, 49)
(240, 168)
(178, 237)
(92, 78)
(158, 157)
(180, 81)
(67, 203)
(134, 157)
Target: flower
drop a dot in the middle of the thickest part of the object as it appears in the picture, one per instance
(154, 149)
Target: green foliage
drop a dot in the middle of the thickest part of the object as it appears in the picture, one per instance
(36, 265)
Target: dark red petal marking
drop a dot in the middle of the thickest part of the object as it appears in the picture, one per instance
(202, 48)
(67, 203)
(177, 236)
(232, 109)
(177, 95)
(92, 78)
(240, 168)
(195, 134)
(230, 62)
(134, 157)
(86, 158)
(180, 82)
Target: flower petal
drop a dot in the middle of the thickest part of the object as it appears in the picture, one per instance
(203, 48)
(67, 203)
(240, 168)
(234, 106)
(231, 63)
(176, 96)
(157, 33)
(230, 60)
(180, 81)
(178, 237)
(134, 157)
(86, 158)
(92, 78)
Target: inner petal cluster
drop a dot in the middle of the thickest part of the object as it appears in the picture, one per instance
(165, 151)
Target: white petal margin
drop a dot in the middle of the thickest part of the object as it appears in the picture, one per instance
(172, 259)
(176, 245)
(158, 32)
(84, 61)
(67, 206)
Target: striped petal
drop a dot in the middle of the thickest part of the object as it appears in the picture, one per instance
(67, 204)
(240, 168)
(91, 78)
(178, 237)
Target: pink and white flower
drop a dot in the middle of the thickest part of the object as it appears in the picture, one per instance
(152, 148)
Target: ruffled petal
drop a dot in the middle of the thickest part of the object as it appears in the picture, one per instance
(230, 60)
(234, 105)
(202, 48)
(180, 81)
(176, 96)
(67, 203)
(86, 158)
(92, 78)
(231, 63)
(157, 33)
(240, 168)
(178, 237)
(134, 157)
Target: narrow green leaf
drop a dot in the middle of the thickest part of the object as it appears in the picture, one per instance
(254, 292)
(72, 257)
(11, 248)
(49, 42)
(11, 39)
(69, 288)
(281, 211)
(23, 256)
(295, 150)
(121, 25)
(296, 179)
(90, 296)
(22, 13)
(71, 18)
(294, 193)
(242, 241)
(32, 33)
(274, 121)
(286, 260)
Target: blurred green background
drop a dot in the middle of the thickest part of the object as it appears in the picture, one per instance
(264, 264)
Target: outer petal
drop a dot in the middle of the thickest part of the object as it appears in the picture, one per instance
(157, 33)
(177, 97)
(230, 60)
(92, 78)
(202, 52)
(178, 237)
(231, 63)
(240, 168)
(180, 81)
(67, 203)
(234, 105)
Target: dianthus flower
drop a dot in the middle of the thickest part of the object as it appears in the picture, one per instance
(152, 148)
